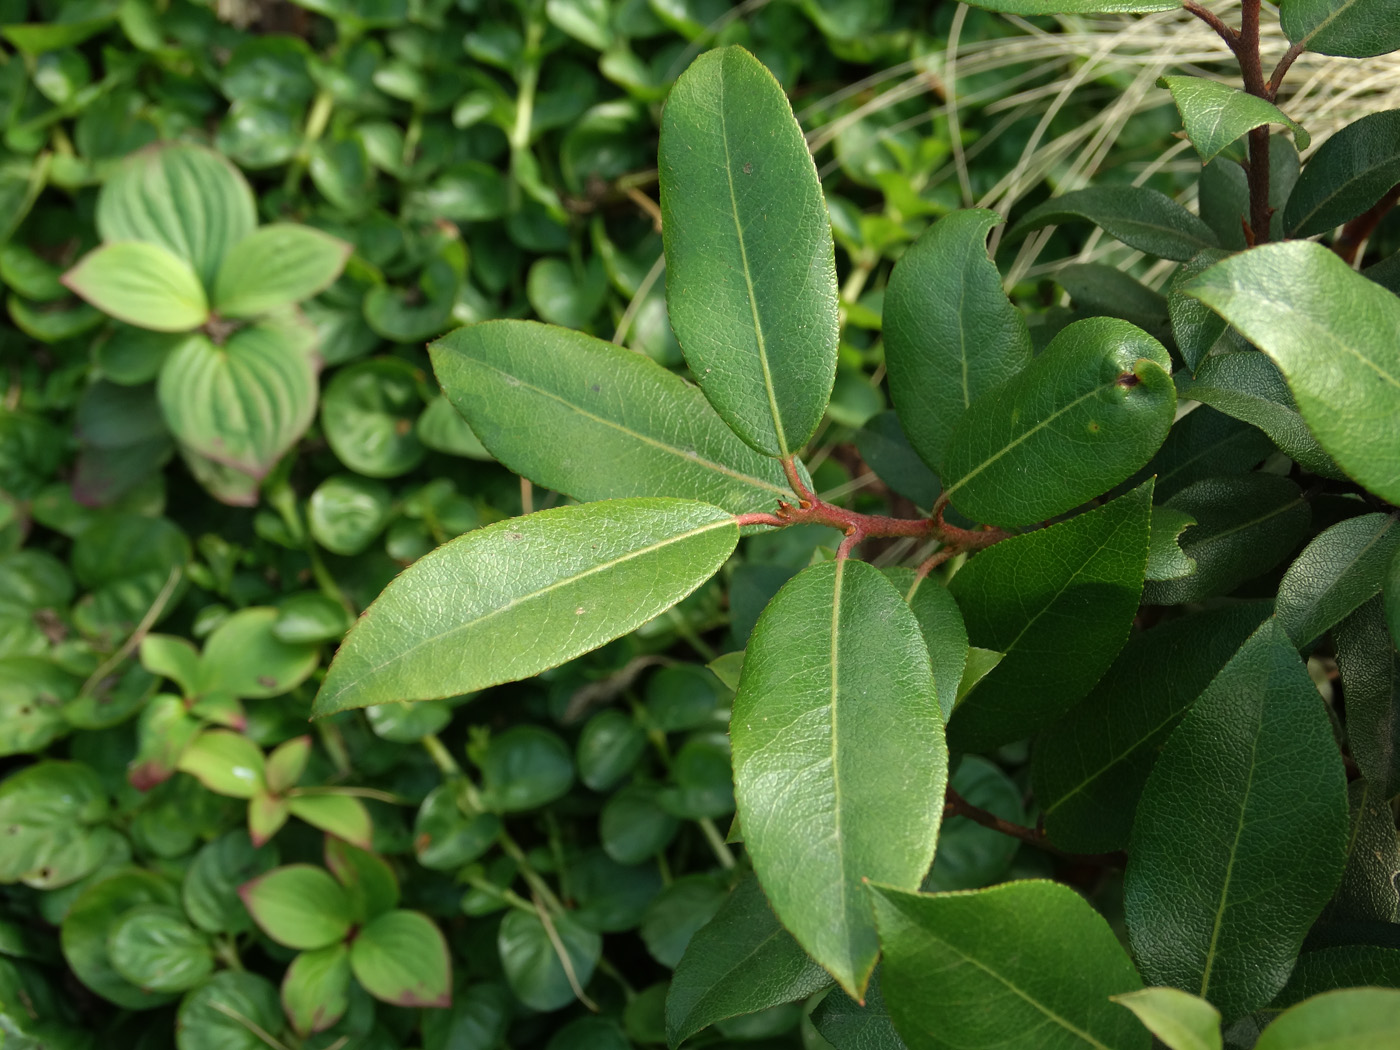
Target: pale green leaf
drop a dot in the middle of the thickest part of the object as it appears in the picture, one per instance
(1347, 1019)
(1217, 114)
(276, 266)
(1179, 1019)
(142, 284)
(401, 957)
(299, 906)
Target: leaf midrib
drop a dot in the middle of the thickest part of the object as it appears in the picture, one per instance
(1341, 188)
(727, 522)
(1339, 575)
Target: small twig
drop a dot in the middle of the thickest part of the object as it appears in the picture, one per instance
(1281, 70)
(1231, 38)
(721, 849)
(147, 622)
(1356, 232)
(957, 806)
(646, 204)
(930, 563)
(563, 953)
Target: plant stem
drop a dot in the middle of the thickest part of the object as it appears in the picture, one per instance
(1225, 33)
(1355, 233)
(1281, 70)
(717, 843)
(957, 806)
(1257, 171)
(441, 757)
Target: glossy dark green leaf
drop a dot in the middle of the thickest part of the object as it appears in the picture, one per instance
(1037, 950)
(1139, 217)
(1245, 525)
(1100, 290)
(1249, 387)
(1368, 892)
(1347, 1019)
(848, 1025)
(315, 990)
(612, 897)
(1202, 444)
(533, 967)
(1343, 966)
(1252, 780)
(1087, 413)
(1090, 767)
(701, 780)
(585, 417)
(156, 949)
(683, 697)
(89, 921)
(1058, 602)
(1196, 328)
(677, 913)
(1370, 671)
(839, 762)
(526, 767)
(741, 961)
(141, 284)
(951, 334)
(242, 404)
(185, 198)
(1337, 572)
(633, 827)
(750, 266)
(1217, 114)
(368, 411)
(477, 1020)
(1336, 338)
(209, 893)
(276, 266)
(608, 748)
(401, 958)
(1351, 28)
(1348, 174)
(971, 856)
(1182, 1021)
(886, 450)
(1165, 558)
(217, 1016)
(567, 579)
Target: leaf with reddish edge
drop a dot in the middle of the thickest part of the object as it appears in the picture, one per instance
(298, 906)
(226, 763)
(341, 815)
(401, 958)
(366, 876)
(287, 763)
(316, 989)
(266, 815)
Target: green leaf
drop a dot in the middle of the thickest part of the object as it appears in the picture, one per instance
(1179, 1019)
(316, 989)
(741, 961)
(445, 837)
(750, 265)
(1368, 892)
(1036, 950)
(224, 762)
(368, 411)
(1249, 387)
(226, 1013)
(1058, 602)
(839, 762)
(310, 618)
(1348, 174)
(184, 198)
(1165, 558)
(584, 417)
(1336, 338)
(209, 893)
(1087, 413)
(1216, 114)
(1139, 217)
(277, 266)
(1223, 192)
(1089, 768)
(1203, 444)
(1196, 329)
(245, 403)
(848, 1025)
(341, 815)
(609, 747)
(1340, 967)
(945, 636)
(154, 948)
(1337, 572)
(677, 913)
(1245, 525)
(526, 767)
(346, 512)
(90, 919)
(1370, 670)
(951, 334)
(1350, 28)
(533, 968)
(633, 827)
(569, 579)
(401, 958)
(299, 906)
(1347, 1019)
(244, 657)
(49, 811)
(142, 284)
(1253, 781)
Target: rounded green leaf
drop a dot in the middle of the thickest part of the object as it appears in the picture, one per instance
(677, 913)
(608, 748)
(342, 815)
(1083, 416)
(1348, 174)
(951, 334)
(316, 989)
(49, 812)
(277, 265)
(1251, 781)
(1336, 338)
(532, 966)
(1351, 28)
(445, 837)
(1139, 217)
(1021, 966)
(245, 657)
(185, 198)
(226, 763)
(1217, 114)
(750, 265)
(226, 1013)
(1179, 1019)
(89, 922)
(299, 906)
(1347, 1019)
(210, 890)
(526, 767)
(368, 412)
(839, 760)
(597, 421)
(346, 512)
(154, 948)
(567, 579)
(633, 827)
(401, 958)
(141, 284)
(1058, 7)
(246, 402)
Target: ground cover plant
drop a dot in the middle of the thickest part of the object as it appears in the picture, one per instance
(1062, 689)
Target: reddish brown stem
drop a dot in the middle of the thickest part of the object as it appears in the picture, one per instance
(1355, 233)
(1257, 171)
(1225, 33)
(1281, 70)
(957, 806)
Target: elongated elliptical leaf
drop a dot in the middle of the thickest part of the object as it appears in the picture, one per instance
(1216, 114)
(596, 421)
(839, 760)
(740, 962)
(1058, 603)
(1182, 1021)
(951, 334)
(1021, 966)
(141, 284)
(1351, 28)
(1337, 572)
(1347, 1019)
(524, 595)
(750, 265)
(1139, 217)
(1252, 782)
(1065, 7)
(277, 265)
(1347, 175)
(1336, 338)
(1083, 416)
(1370, 669)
